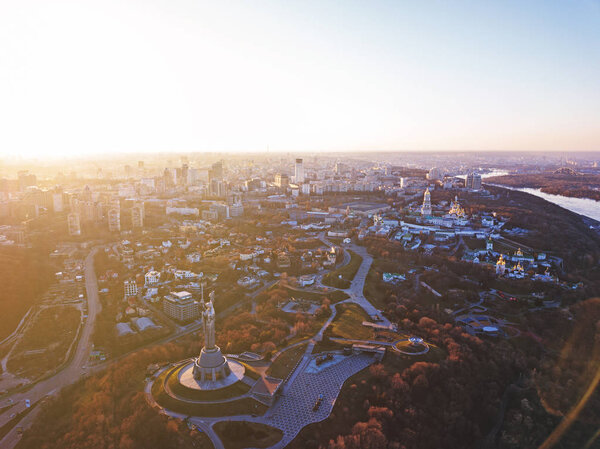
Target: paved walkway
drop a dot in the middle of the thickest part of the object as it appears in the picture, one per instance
(294, 410)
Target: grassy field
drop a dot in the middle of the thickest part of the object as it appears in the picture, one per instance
(347, 272)
(243, 434)
(348, 323)
(45, 342)
(375, 290)
(329, 345)
(283, 365)
(237, 407)
(334, 296)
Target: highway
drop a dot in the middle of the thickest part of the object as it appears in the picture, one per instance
(70, 373)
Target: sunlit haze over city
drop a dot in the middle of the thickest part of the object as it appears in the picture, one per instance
(82, 77)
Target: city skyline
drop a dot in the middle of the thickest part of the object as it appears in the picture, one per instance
(84, 79)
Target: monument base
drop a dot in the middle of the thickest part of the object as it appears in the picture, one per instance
(187, 377)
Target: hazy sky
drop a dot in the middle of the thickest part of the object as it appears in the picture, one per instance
(82, 77)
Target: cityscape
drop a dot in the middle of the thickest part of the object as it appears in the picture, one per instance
(301, 225)
(242, 301)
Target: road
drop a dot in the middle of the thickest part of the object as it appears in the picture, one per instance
(356, 289)
(69, 374)
(74, 370)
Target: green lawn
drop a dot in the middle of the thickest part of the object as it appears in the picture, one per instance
(236, 407)
(347, 272)
(283, 365)
(348, 323)
(334, 296)
(243, 434)
(45, 343)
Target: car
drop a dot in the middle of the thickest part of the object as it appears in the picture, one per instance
(318, 403)
(27, 403)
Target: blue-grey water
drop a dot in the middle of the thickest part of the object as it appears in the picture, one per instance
(583, 206)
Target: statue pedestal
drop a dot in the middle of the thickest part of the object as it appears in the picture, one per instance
(187, 376)
(211, 365)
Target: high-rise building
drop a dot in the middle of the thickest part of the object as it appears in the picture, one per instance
(130, 287)
(74, 224)
(57, 201)
(25, 179)
(114, 220)
(170, 177)
(181, 306)
(218, 187)
(216, 171)
(282, 180)
(426, 208)
(221, 209)
(299, 171)
(183, 180)
(236, 209)
(434, 174)
(137, 215)
(473, 181)
(340, 168)
(88, 211)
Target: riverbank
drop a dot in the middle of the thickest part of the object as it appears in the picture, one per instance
(588, 209)
(585, 186)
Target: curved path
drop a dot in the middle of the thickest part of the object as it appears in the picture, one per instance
(356, 289)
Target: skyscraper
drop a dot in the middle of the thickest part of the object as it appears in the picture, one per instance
(137, 215)
(216, 171)
(299, 172)
(74, 224)
(473, 181)
(114, 220)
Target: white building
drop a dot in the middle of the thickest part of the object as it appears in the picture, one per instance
(193, 257)
(184, 274)
(130, 287)
(182, 210)
(152, 277)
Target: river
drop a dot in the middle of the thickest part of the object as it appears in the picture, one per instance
(582, 206)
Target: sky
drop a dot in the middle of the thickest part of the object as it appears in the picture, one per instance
(89, 77)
